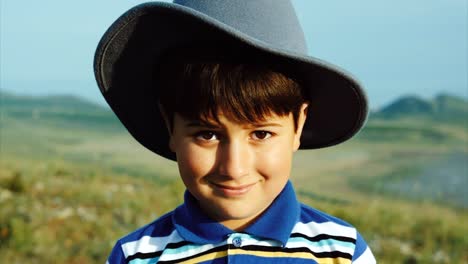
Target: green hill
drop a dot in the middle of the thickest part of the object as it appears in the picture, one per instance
(51, 103)
(65, 111)
(440, 120)
(409, 105)
(451, 108)
(443, 108)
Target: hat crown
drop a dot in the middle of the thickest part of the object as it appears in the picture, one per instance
(265, 31)
(273, 22)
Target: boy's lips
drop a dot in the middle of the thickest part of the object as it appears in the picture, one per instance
(233, 190)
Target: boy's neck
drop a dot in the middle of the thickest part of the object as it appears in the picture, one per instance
(237, 225)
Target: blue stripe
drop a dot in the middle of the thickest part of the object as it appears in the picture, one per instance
(144, 261)
(172, 251)
(184, 249)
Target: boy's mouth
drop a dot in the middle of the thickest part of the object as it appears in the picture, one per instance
(233, 190)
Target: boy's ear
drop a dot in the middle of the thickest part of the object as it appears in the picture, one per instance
(300, 125)
(168, 126)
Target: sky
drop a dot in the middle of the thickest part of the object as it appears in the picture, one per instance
(394, 48)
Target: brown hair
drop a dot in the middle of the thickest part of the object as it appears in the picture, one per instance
(245, 92)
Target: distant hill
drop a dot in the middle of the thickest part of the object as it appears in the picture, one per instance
(442, 120)
(65, 103)
(443, 108)
(63, 110)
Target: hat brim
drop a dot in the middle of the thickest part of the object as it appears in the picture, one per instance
(131, 48)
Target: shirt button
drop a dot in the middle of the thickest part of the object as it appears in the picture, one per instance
(237, 241)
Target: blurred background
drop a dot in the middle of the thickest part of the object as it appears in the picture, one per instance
(72, 180)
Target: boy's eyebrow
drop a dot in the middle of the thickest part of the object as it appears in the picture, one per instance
(260, 124)
(266, 124)
(201, 123)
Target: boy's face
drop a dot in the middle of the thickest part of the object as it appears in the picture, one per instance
(235, 170)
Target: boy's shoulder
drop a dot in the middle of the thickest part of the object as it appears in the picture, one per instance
(316, 224)
(146, 241)
(310, 214)
(161, 227)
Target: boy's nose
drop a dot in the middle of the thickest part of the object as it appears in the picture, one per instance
(233, 159)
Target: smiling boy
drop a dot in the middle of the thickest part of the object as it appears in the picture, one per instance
(225, 89)
(234, 154)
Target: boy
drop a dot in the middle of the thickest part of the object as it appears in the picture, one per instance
(226, 90)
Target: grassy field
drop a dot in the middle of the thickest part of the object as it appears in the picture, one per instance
(71, 184)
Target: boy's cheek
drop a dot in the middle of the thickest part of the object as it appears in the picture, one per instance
(273, 162)
(195, 162)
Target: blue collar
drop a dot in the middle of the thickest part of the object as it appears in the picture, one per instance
(275, 223)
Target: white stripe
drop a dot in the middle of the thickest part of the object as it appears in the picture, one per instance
(321, 249)
(329, 228)
(147, 244)
(187, 251)
(365, 258)
(249, 240)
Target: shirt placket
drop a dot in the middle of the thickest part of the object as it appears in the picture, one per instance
(234, 242)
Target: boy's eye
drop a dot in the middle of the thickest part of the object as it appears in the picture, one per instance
(207, 135)
(259, 135)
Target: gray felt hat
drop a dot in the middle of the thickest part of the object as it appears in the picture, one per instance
(248, 30)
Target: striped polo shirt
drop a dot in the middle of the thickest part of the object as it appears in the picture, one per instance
(288, 232)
